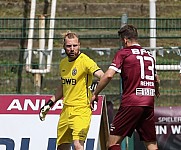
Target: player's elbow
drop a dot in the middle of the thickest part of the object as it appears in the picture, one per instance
(109, 76)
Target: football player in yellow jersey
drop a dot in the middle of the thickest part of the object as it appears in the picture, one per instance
(76, 71)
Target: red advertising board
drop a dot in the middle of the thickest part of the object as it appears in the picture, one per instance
(31, 104)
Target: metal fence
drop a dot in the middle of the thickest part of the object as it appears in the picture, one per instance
(99, 40)
(99, 27)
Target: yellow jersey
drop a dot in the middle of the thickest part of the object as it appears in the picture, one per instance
(76, 77)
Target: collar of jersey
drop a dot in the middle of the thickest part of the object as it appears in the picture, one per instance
(75, 58)
(136, 45)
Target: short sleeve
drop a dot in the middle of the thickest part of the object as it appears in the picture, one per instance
(91, 66)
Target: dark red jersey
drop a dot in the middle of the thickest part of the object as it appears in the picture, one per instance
(137, 69)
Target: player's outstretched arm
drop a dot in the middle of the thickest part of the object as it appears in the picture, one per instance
(105, 79)
(58, 95)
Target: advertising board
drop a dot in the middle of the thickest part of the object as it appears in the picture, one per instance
(21, 128)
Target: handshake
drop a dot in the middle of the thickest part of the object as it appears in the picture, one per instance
(44, 110)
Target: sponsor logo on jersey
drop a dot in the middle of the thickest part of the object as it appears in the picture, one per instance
(145, 91)
(69, 81)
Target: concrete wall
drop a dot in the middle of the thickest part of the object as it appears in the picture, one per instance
(134, 8)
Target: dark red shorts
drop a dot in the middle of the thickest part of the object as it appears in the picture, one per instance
(129, 118)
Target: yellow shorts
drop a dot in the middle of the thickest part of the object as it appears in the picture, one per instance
(73, 124)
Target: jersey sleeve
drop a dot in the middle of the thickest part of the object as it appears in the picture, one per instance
(117, 61)
(91, 66)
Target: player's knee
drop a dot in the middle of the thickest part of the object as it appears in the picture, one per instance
(115, 147)
(154, 148)
(78, 145)
(151, 145)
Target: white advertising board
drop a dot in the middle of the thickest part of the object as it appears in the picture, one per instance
(21, 128)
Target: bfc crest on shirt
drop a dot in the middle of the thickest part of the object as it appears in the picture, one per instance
(74, 71)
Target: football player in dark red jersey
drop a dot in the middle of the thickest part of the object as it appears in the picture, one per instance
(140, 82)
